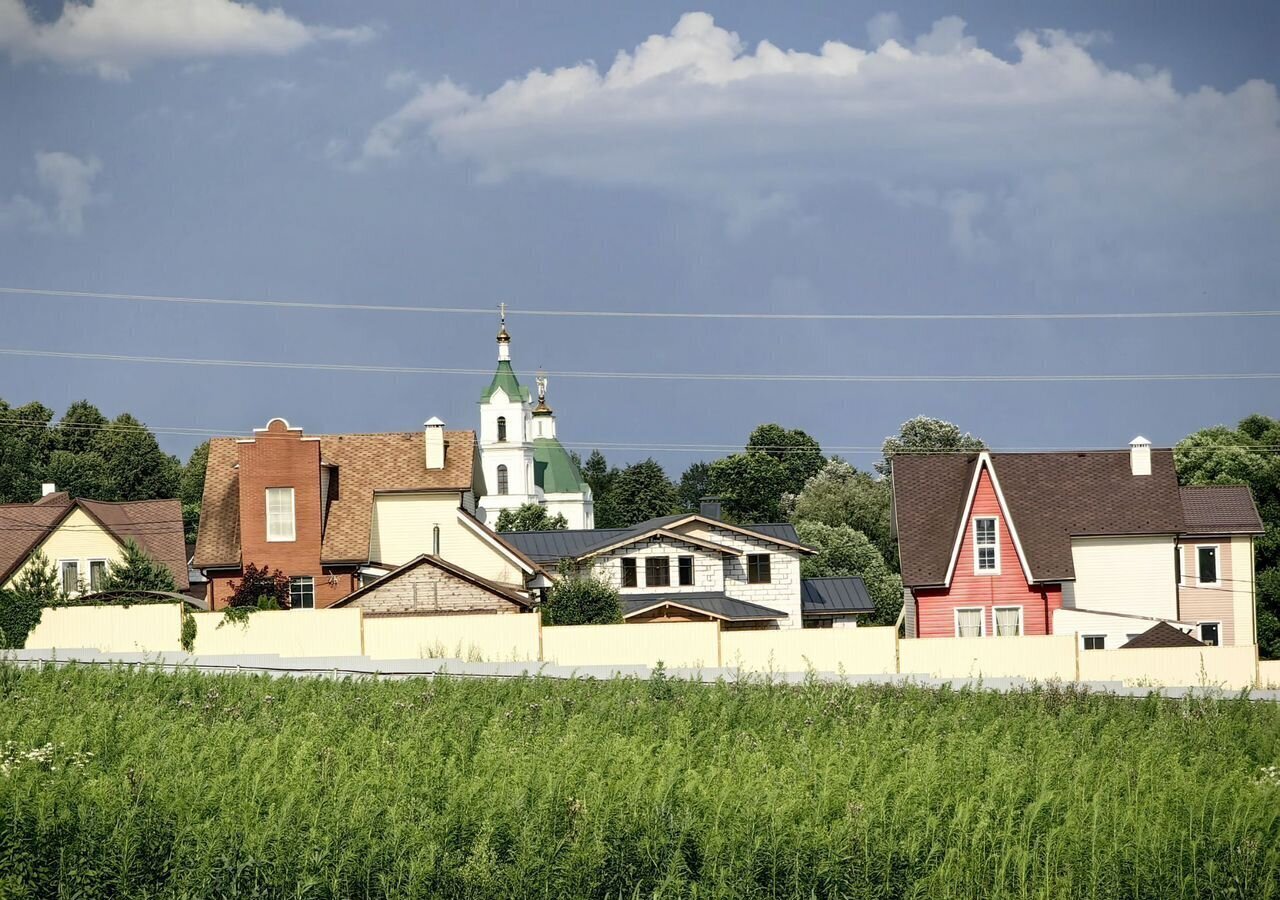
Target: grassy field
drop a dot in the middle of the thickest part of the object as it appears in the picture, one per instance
(153, 785)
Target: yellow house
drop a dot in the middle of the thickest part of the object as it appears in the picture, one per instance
(81, 538)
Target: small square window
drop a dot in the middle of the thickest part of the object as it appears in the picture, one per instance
(657, 571)
(686, 571)
(629, 573)
(1095, 642)
(1007, 620)
(1209, 633)
(302, 592)
(758, 569)
(969, 623)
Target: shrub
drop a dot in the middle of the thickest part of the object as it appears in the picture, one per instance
(261, 589)
(577, 599)
(36, 588)
(136, 571)
(530, 517)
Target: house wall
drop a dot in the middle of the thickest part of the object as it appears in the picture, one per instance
(783, 590)
(937, 606)
(1117, 630)
(1131, 574)
(577, 511)
(78, 538)
(330, 586)
(708, 567)
(427, 589)
(1208, 603)
(281, 458)
(402, 528)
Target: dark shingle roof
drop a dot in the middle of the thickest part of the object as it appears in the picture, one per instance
(1051, 497)
(710, 602)
(832, 596)
(1220, 509)
(1162, 634)
(552, 546)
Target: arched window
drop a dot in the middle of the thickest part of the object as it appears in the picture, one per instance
(435, 541)
(502, 479)
(502, 429)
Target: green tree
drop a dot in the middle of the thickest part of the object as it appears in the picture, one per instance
(191, 487)
(842, 551)
(530, 517)
(139, 469)
(136, 571)
(841, 495)
(640, 491)
(799, 454)
(695, 484)
(20, 607)
(24, 449)
(78, 427)
(580, 599)
(599, 475)
(80, 474)
(776, 461)
(923, 435)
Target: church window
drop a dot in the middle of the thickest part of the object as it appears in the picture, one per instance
(502, 430)
(502, 479)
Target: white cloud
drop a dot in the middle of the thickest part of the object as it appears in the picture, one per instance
(1048, 149)
(68, 180)
(111, 37)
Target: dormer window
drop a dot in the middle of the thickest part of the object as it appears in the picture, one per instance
(502, 428)
(986, 546)
(280, 514)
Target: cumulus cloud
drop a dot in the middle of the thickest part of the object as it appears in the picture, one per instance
(111, 37)
(1048, 147)
(67, 181)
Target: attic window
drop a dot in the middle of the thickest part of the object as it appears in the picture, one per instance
(986, 546)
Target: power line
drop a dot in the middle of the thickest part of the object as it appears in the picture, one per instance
(648, 314)
(655, 376)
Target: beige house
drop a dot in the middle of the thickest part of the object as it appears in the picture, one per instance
(81, 538)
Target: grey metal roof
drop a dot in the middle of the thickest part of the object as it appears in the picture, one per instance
(712, 603)
(552, 546)
(831, 596)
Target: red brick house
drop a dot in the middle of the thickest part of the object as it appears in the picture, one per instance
(1102, 544)
(337, 512)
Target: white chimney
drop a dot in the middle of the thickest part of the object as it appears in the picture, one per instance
(48, 488)
(1140, 456)
(434, 429)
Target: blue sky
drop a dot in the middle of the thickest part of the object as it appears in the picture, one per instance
(1019, 157)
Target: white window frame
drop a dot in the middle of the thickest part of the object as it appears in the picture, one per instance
(1200, 630)
(297, 580)
(293, 517)
(1217, 560)
(982, 618)
(1022, 620)
(62, 578)
(105, 565)
(977, 569)
(1086, 637)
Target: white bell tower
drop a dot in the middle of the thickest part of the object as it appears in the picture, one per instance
(506, 437)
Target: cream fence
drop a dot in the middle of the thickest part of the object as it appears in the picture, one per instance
(490, 638)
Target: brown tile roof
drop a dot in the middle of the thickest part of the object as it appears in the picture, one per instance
(1220, 509)
(390, 461)
(1162, 634)
(1051, 497)
(155, 525)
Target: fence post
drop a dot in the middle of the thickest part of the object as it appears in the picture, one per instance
(1076, 645)
(538, 613)
(719, 645)
(361, 611)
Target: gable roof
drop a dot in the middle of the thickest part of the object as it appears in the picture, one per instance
(154, 525)
(1220, 509)
(366, 463)
(505, 591)
(1050, 497)
(1162, 634)
(709, 603)
(834, 596)
(553, 546)
(505, 377)
(629, 538)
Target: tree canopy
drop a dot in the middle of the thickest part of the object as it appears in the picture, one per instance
(776, 461)
(578, 599)
(922, 435)
(626, 496)
(841, 495)
(842, 551)
(530, 517)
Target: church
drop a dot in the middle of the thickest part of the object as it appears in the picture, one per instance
(522, 459)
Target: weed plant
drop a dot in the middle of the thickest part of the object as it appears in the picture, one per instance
(144, 784)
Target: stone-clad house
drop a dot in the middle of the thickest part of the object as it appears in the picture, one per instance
(696, 567)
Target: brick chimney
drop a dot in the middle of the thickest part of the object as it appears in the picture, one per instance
(1140, 456)
(434, 431)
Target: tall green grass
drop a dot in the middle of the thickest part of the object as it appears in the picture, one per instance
(233, 786)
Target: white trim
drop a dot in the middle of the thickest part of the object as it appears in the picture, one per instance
(1215, 623)
(666, 535)
(977, 569)
(1022, 619)
(482, 531)
(982, 619)
(298, 579)
(293, 515)
(1085, 637)
(281, 420)
(747, 532)
(984, 461)
(62, 580)
(702, 612)
(1217, 566)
